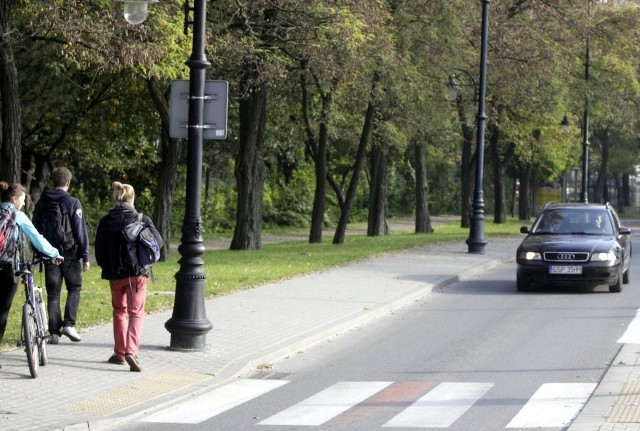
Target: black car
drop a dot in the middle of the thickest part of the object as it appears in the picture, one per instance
(575, 245)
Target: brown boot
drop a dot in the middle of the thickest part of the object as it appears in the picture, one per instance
(132, 360)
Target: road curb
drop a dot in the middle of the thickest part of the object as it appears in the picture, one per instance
(263, 359)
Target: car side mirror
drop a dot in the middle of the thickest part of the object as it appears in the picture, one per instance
(624, 231)
(524, 229)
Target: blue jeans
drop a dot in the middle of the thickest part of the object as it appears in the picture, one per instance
(71, 272)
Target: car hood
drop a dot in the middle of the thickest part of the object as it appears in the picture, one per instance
(591, 243)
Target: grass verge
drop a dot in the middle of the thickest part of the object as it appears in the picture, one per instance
(230, 271)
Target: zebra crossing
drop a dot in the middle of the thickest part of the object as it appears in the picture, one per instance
(440, 405)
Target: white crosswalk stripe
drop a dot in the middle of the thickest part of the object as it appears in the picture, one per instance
(632, 334)
(210, 404)
(441, 407)
(327, 404)
(553, 405)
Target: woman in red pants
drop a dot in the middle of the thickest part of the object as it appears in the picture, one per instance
(128, 282)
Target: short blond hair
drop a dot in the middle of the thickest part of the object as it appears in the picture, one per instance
(123, 192)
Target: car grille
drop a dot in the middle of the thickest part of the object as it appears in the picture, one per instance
(566, 256)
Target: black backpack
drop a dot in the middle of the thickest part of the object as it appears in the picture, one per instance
(8, 243)
(56, 225)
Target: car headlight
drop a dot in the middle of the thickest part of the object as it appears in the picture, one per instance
(603, 257)
(530, 255)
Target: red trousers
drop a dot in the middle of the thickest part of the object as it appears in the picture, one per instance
(128, 296)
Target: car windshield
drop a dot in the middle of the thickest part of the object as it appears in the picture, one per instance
(576, 222)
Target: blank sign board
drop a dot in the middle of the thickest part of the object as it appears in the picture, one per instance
(216, 96)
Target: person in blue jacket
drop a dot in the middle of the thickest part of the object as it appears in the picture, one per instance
(12, 197)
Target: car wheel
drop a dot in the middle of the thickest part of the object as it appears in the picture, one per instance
(618, 286)
(626, 277)
(523, 285)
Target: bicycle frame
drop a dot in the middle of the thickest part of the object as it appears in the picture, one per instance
(34, 318)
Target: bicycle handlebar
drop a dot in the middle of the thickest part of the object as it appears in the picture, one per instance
(26, 265)
(36, 261)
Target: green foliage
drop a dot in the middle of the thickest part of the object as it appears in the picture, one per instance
(218, 208)
(289, 202)
(85, 103)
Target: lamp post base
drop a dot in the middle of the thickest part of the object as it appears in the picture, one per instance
(476, 246)
(188, 335)
(185, 343)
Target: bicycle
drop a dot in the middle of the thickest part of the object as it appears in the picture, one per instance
(34, 317)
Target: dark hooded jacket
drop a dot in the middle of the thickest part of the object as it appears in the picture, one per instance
(73, 207)
(111, 246)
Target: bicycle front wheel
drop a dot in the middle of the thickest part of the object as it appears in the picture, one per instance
(42, 347)
(29, 336)
(41, 317)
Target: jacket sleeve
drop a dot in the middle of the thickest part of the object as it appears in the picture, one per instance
(99, 244)
(37, 213)
(79, 229)
(34, 237)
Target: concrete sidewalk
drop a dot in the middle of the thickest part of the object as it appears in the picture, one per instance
(79, 390)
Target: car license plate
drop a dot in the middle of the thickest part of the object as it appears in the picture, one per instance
(565, 269)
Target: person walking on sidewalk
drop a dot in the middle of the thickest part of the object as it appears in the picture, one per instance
(59, 217)
(12, 198)
(128, 283)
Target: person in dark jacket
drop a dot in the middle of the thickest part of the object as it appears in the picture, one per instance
(128, 284)
(76, 257)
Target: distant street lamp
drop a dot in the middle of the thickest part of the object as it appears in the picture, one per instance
(136, 11)
(188, 324)
(476, 241)
(454, 89)
(584, 193)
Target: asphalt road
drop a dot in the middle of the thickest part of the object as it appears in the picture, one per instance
(477, 355)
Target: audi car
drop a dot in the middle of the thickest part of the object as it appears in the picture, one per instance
(569, 244)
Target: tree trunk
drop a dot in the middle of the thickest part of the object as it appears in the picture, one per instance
(619, 192)
(378, 194)
(467, 166)
(250, 168)
(524, 207)
(10, 145)
(626, 191)
(36, 176)
(170, 152)
(423, 219)
(367, 128)
(500, 165)
(318, 152)
(514, 198)
(320, 193)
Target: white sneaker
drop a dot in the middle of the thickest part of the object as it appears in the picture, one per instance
(71, 332)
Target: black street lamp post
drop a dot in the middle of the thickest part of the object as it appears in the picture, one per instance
(584, 195)
(584, 192)
(188, 324)
(476, 241)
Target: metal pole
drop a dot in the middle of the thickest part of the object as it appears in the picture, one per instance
(584, 198)
(476, 241)
(188, 324)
